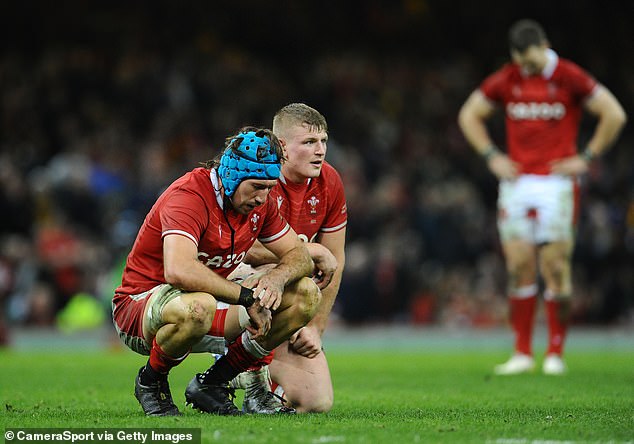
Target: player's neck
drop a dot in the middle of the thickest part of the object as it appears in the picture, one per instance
(294, 178)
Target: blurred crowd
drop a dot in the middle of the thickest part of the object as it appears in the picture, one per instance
(90, 134)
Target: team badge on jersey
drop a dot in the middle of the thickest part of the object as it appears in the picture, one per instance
(552, 89)
(516, 91)
(254, 221)
(280, 199)
(313, 201)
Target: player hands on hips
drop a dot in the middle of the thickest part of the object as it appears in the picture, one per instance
(174, 297)
(310, 196)
(543, 97)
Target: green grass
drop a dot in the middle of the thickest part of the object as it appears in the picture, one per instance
(382, 397)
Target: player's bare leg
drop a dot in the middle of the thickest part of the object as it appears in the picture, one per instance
(555, 267)
(172, 325)
(306, 382)
(187, 319)
(521, 264)
(209, 391)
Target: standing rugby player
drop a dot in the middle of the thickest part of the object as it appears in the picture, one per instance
(543, 97)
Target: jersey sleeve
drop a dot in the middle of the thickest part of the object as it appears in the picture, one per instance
(337, 212)
(582, 84)
(493, 86)
(184, 213)
(274, 225)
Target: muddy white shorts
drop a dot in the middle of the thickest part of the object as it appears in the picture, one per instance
(131, 311)
(537, 209)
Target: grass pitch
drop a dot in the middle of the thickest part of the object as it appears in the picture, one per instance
(380, 396)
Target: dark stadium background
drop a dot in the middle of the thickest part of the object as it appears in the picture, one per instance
(104, 103)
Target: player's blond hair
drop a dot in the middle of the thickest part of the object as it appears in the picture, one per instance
(298, 114)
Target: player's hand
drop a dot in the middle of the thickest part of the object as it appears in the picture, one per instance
(569, 166)
(260, 320)
(252, 280)
(269, 290)
(325, 265)
(306, 342)
(503, 167)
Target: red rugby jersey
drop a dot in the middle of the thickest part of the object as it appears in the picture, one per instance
(318, 204)
(191, 207)
(542, 112)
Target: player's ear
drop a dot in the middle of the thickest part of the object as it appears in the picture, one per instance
(283, 143)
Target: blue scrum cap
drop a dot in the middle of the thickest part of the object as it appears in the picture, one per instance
(254, 158)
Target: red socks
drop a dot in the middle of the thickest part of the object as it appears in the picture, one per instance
(242, 354)
(263, 361)
(522, 319)
(218, 323)
(238, 356)
(523, 305)
(557, 314)
(160, 362)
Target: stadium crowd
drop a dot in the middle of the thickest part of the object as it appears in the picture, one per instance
(91, 131)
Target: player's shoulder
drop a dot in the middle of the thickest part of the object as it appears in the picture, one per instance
(200, 175)
(329, 180)
(573, 76)
(569, 68)
(494, 85)
(329, 172)
(192, 178)
(506, 71)
(567, 63)
(193, 184)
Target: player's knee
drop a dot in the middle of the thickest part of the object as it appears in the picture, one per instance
(321, 403)
(308, 297)
(556, 270)
(520, 274)
(562, 268)
(513, 276)
(196, 316)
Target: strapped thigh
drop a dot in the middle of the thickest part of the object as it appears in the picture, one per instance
(163, 294)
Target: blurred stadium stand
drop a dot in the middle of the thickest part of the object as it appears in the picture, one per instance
(104, 103)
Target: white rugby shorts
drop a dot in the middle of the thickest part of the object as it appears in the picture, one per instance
(538, 209)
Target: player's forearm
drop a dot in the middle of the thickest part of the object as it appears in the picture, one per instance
(295, 264)
(328, 296)
(195, 276)
(606, 132)
(317, 251)
(477, 135)
(258, 255)
(611, 117)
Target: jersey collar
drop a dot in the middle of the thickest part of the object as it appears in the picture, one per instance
(551, 63)
(215, 183)
(282, 179)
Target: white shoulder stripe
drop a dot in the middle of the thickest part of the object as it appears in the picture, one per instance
(275, 236)
(331, 229)
(182, 233)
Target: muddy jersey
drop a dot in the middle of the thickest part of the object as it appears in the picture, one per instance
(316, 205)
(542, 112)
